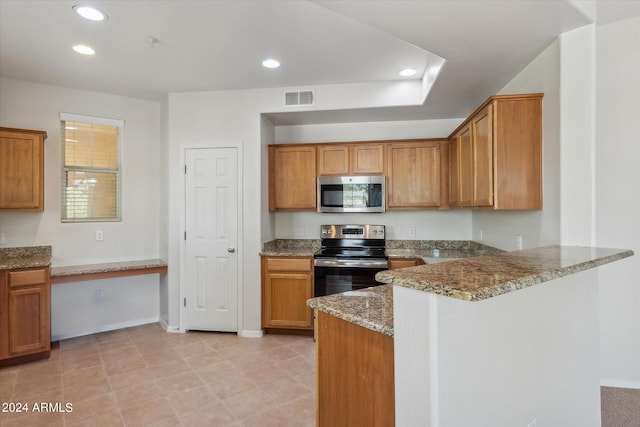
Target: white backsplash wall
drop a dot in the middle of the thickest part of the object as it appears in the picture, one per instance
(429, 225)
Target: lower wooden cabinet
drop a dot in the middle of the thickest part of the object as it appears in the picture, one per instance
(287, 284)
(395, 263)
(355, 383)
(25, 326)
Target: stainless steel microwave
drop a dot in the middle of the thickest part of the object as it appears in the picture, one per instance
(351, 193)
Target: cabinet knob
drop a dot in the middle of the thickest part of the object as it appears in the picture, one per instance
(231, 250)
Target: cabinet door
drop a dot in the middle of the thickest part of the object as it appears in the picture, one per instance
(292, 183)
(395, 263)
(367, 159)
(483, 158)
(465, 168)
(285, 300)
(21, 170)
(333, 159)
(414, 175)
(29, 329)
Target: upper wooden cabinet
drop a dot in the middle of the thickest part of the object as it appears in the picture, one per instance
(292, 177)
(496, 155)
(415, 174)
(351, 159)
(22, 169)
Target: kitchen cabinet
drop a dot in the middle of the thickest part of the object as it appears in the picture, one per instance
(22, 169)
(25, 327)
(415, 174)
(355, 375)
(292, 177)
(395, 263)
(287, 284)
(496, 155)
(351, 159)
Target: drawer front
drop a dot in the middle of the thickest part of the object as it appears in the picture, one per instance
(289, 264)
(27, 277)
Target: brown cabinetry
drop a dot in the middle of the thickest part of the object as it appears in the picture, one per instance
(395, 263)
(22, 169)
(351, 159)
(355, 380)
(25, 331)
(496, 155)
(292, 177)
(415, 174)
(287, 284)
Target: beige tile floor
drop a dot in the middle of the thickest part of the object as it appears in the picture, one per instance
(145, 376)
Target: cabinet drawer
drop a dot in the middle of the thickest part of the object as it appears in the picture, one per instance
(288, 264)
(27, 277)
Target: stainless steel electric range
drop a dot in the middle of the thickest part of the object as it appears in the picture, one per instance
(349, 258)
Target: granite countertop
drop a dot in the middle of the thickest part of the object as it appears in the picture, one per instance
(106, 267)
(479, 278)
(471, 279)
(371, 308)
(25, 257)
(290, 247)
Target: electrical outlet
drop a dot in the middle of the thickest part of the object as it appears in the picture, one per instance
(99, 294)
(519, 242)
(412, 231)
(2, 241)
(481, 234)
(300, 231)
(99, 235)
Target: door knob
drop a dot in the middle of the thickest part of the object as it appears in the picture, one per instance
(231, 250)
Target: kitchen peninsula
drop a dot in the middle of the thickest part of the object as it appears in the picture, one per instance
(465, 342)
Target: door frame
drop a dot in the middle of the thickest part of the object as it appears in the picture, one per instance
(183, 224)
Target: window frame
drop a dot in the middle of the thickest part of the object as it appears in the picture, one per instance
(119, 124)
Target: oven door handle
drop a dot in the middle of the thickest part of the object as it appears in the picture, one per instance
(351, 263)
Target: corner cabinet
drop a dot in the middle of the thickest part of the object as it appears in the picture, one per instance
(351, 159)
(496, 155)
(287, 284)
(292, 177)
(416, 175)
(25, 327)
(22, 169)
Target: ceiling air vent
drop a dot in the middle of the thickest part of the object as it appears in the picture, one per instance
(299, 98)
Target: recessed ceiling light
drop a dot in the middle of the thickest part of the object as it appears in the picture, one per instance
(271, 63)
(90, 13)
(84, 49)
(408, 72)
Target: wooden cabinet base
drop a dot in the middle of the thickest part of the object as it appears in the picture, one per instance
(285, 331)
(354, 378)
(25, 359)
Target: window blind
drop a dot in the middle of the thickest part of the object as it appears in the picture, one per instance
(91, 168)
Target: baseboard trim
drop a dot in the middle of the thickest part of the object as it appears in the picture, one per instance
(614, 382)
(251, 334)
(105, 328)
(170, 329)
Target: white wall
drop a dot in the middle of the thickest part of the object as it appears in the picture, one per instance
(37, 106)
(429, 225)
(618, 197)
(502, 362)
(236, 117)
(537, 228)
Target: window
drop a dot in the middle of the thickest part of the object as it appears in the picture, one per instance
(91, 168)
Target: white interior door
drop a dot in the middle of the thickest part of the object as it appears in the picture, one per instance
(211, 266)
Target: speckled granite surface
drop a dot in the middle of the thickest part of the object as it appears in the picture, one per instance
(74, 270)
(25, 257)
(479, 278)
(290, 247)
(371, 308)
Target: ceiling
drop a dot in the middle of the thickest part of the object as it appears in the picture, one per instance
(217, 45)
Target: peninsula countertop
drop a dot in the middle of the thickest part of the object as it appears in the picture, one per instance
(470, 279)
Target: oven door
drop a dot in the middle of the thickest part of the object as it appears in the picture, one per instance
(333, 276)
